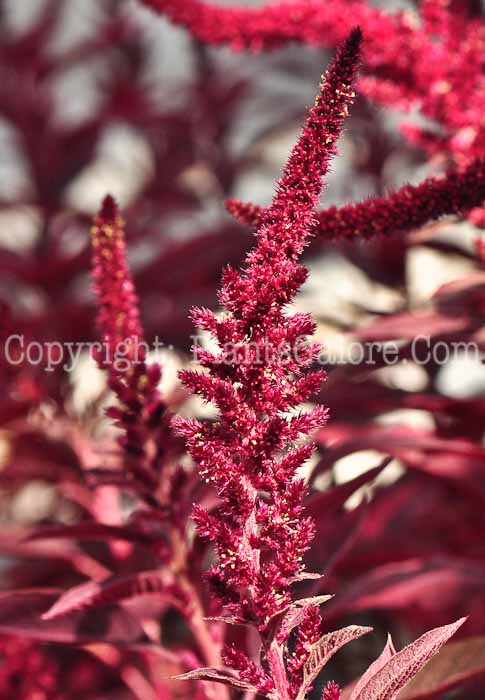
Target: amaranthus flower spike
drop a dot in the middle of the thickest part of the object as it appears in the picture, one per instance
(141, 413)
(118, 315)
(409, 207)
(257, 380)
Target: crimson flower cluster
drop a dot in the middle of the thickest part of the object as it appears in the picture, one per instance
(141, 413)
(409, 207)
(249, 454)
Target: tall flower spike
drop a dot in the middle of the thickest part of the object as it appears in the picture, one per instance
(141, 413)
(410, 207)
(118, 316)
(257, 380)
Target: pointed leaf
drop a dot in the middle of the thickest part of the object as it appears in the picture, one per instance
(399, 584)
(227, 620)
(456, 663)
(323, 650)
(21, 615)
(95, 594)
(306, 576)
(86, 531)
(334, 498)
(218, 676)
(398, 671)
(314, 600)
(296, 614)
(387, 653)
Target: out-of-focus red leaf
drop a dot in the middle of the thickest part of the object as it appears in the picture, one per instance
(34, 455)
(96, 594)
(21, 614)
(456, 459)
(335, 497)
(337, 531)
(408, 325)
(87, 531)
(413, 583)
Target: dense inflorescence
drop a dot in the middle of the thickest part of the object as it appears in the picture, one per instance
(410, 207)
(259, 531)
(123, 352)
(238, 453)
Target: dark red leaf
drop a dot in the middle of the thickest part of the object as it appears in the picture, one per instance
(95, 594)
(86, 531)
(21, 614)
